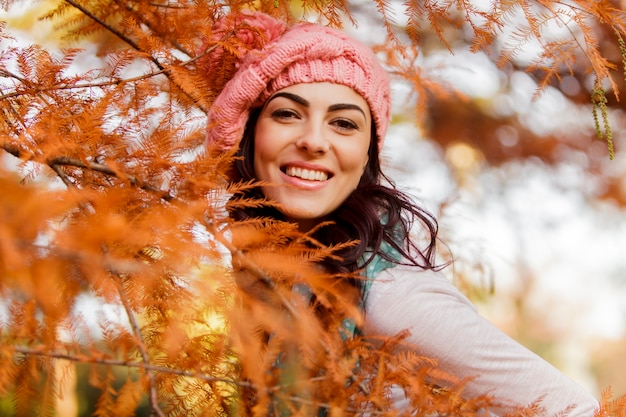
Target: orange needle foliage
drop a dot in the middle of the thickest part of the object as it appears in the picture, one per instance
(127, 211)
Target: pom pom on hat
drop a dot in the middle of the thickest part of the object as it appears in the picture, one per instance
(304, 53)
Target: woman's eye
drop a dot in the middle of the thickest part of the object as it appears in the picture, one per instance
(284, 114)
(345, 124)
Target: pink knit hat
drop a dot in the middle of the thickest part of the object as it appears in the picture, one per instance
(304, 53)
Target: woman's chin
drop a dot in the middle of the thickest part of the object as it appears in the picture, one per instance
(306, 219)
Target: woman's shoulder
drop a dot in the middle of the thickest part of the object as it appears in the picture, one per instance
(416, 282)
(442, 323)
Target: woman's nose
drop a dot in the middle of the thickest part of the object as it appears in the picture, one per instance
(313, 140)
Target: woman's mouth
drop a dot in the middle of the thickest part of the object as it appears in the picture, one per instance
(306, 174)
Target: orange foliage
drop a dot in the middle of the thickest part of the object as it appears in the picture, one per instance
(113, 197)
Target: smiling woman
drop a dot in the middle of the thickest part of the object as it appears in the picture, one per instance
(311, 146)
(308, 113)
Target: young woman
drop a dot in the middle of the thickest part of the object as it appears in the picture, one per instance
(309, 110)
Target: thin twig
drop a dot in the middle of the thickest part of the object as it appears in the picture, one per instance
(11, 149)
(64, 177)
(98, 84)
(143, 350)
(141, 19)
(134, 45)
(44, 351)
(107, 27)
(54, 163)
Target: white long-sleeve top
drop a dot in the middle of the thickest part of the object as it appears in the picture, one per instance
(446, 326)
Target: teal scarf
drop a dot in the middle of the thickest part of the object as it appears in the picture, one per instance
(375, 267)
(349, 328)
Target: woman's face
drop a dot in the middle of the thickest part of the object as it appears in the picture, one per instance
(311, 147)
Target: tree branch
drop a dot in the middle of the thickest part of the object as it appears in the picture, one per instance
(43, 351)
(237, 254)
(152, 395)
(95, 84)
(134, 45)
(46, 352)
(141, 19)
(107, 27)
(54, 163)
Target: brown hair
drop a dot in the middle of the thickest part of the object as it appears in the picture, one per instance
(374, 213)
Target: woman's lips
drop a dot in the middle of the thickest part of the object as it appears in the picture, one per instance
(306, 174)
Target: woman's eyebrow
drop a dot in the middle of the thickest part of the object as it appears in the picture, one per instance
(290, 96)
(304, 102)
(346, 106)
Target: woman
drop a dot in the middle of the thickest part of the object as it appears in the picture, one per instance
(308, 109)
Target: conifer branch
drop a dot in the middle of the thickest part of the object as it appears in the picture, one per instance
(135, 46)
(10, 149)
(105, 25)
(8, 74)
(141, 345)
(45, 351)
(61, 174)
(167, 6)
(56, 162)
(329, 407)
(92, 84)
(240, 257)
(144, 21)
(603, 127)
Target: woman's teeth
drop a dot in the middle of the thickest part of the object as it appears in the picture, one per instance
(306, 174)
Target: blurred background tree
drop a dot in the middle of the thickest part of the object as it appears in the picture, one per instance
(507, 122)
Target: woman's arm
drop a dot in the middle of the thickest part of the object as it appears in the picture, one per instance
(444, 325)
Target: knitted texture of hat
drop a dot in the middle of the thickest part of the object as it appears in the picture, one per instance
(305, 53)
